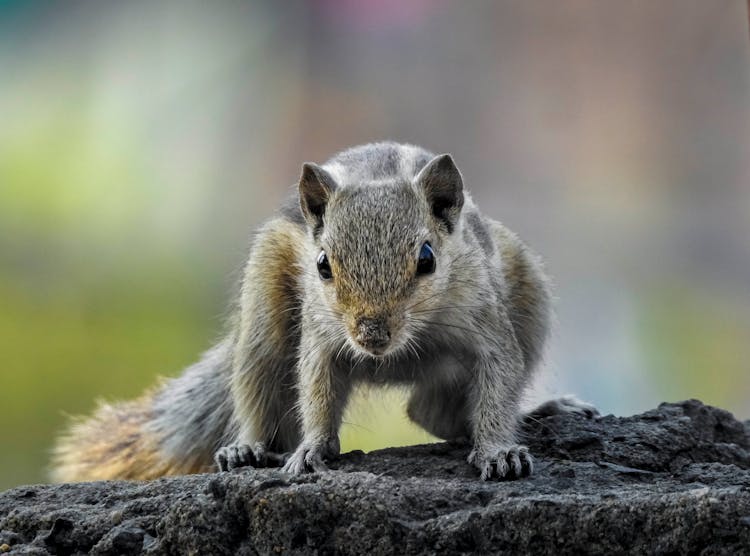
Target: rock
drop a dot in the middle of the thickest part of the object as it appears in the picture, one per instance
(675, 479)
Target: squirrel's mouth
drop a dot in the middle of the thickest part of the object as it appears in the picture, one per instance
(372, 347)
(375, 349)
(378, 350)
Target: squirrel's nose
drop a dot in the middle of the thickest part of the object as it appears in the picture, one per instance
(372, 333)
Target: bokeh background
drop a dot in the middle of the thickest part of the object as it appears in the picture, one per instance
(141, 143)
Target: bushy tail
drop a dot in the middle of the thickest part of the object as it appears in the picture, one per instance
(112, 444)
(171, 430)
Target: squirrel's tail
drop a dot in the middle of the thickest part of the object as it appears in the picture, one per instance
(112, 444)
(172, 430)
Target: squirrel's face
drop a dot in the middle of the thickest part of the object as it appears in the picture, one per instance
(381, 250)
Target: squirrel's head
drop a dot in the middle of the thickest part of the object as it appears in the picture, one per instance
(382, 250)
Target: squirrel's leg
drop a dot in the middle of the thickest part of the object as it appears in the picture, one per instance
(324, 392)
(264, 401)
(499, 379)
(263, 382)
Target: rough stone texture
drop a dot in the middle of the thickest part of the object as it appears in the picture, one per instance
(673, 480)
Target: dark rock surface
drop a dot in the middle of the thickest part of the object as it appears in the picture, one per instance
(673, 480)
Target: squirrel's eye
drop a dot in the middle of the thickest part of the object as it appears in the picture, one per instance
(426, 262)
(324, 267)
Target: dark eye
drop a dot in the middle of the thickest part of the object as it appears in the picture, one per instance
(324, 267)
(426, 262)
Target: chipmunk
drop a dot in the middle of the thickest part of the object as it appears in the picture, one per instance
(381, 271)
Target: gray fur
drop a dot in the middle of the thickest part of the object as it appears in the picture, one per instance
(291, 211)
(478, 229)
(373, 162)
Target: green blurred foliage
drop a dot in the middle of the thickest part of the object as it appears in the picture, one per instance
(64, 352)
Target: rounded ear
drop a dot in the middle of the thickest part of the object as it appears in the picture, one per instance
(315, 189)
(443, 187)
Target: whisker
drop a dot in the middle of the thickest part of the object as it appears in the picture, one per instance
(447, 307)
(458, 327)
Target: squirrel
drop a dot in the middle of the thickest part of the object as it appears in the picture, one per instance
(380, 271)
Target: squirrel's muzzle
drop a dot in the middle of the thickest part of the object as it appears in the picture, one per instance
(372, 334)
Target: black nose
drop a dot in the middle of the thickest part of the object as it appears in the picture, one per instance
(372, 333)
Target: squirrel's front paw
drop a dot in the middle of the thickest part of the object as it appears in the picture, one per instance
(244, 455)
(307, 457)
(511, 462)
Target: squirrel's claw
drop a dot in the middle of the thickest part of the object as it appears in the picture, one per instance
(304, 459)
(513, 462)
(244, 455)
(234, 456)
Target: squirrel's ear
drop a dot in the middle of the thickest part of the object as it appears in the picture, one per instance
(315, 188)
(444, 188)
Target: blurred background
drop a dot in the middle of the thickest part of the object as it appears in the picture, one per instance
(142, 142)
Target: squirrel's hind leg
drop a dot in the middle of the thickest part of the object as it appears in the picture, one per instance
(562, 406)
